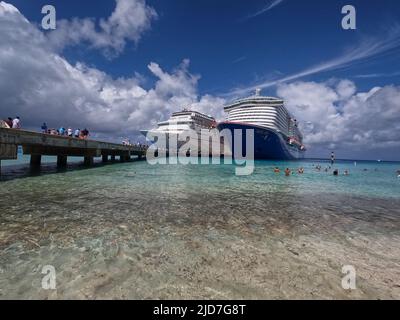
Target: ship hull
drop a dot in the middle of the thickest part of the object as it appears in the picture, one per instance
(268, 144)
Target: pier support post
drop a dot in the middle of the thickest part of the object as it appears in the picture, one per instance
(36, 160)
(105, 158)
(124, 157)
(61, 161)
(113, 158)
(88, 161)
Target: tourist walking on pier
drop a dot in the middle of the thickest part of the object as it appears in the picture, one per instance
(44, 127)
(3, 124)
(70, 132)
(9, 122)
(77, 133)
(16, 124)
(85, 133)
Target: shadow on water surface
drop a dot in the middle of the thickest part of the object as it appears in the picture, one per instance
(20, 171)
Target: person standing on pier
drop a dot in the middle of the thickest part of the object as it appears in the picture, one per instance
(16, 123)
(85, 133)
(44, 127)
(77, 133)
(9, 122)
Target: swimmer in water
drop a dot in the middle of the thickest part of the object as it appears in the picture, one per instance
(336, 172)
(276, 170)
(288, 172)
(346, 172)
(300, 171)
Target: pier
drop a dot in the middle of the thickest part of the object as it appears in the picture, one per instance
(38, 144)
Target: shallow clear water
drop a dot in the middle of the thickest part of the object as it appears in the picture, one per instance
(138, 231)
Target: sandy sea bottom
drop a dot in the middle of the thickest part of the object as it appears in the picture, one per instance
(134, 231)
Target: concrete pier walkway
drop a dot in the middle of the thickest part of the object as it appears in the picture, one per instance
(38, 144)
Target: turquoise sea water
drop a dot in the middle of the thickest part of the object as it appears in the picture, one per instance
(368, 178)
(132, 230)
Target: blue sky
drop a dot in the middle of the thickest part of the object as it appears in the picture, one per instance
(207, 53)
(231, 51)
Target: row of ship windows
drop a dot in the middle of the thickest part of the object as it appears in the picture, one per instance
(268, 119)
(259, 114)
(274, 112)
(282, 124)
(254, 102)
(252, 108)
(249, 106)
(264, 122)
(280, 112)
(283, 129)
(272, 124)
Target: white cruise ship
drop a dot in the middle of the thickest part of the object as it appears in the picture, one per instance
(182, 121)
(277, 135)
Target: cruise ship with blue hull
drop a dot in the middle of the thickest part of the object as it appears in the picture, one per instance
(276, 132)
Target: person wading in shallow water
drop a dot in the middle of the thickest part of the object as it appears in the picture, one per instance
(288, 172)
(333, 158)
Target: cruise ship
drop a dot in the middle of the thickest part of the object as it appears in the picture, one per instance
(276, 132)
(186, 120)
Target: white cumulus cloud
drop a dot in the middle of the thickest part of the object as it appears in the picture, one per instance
(40, 85)
(130, 19)
(335, 116)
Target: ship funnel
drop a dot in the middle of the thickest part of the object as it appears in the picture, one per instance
(258, 91)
